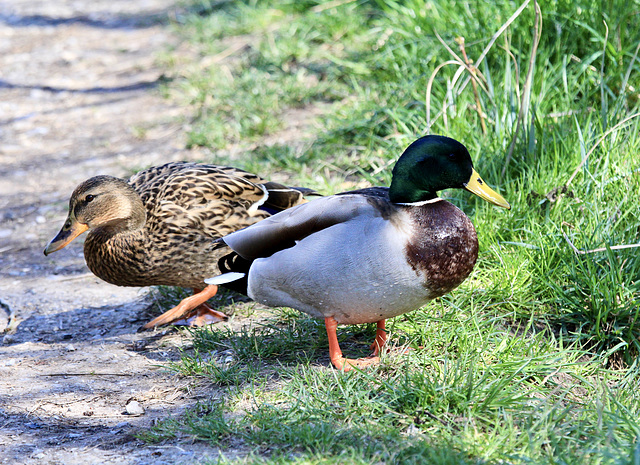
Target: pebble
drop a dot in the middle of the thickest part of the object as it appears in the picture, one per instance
(134, 407)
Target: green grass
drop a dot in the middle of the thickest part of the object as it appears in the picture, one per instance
(476, 391)
(534, 359)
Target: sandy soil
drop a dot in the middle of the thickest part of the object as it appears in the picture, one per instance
(79, 97)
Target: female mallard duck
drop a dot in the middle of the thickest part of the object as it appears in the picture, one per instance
(158, 227)
(367, 255)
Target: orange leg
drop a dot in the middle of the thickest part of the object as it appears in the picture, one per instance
(186, 308)
(381, 338)
(342, 363)
(334, 348)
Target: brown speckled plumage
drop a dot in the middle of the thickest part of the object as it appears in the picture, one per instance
(158, 228)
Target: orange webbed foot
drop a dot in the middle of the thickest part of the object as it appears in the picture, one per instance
(186, 307)
(202, 316)
(346, 364)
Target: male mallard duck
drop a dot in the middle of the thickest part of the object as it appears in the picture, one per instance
(158, 227)
(366, 255)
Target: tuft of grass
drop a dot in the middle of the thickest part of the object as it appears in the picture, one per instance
(602, 297)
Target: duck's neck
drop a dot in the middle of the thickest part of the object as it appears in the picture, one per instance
(403, 192)
(419, 203)
(118, 253)
(405, 188)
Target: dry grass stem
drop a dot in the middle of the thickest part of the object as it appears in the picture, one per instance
(599, 249)
(472, 69)
(528, 82)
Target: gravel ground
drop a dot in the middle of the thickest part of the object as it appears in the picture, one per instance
(79, 97)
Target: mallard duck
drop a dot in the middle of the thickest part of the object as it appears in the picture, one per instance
(368, 255)
(158, 227)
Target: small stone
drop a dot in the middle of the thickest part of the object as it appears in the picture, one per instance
(413, 430)
(70, 348)
(134, 407)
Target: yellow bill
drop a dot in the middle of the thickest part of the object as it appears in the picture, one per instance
(482, 190)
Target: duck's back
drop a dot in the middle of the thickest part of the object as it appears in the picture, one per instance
(189, 198)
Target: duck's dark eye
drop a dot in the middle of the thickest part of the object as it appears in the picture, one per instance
(89, 198)
(452, 155)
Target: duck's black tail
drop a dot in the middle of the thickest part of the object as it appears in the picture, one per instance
(234, 263)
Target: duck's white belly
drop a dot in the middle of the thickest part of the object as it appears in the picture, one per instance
(361, 278)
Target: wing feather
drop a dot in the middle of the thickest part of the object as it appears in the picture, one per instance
(186, 198)
(282, 230)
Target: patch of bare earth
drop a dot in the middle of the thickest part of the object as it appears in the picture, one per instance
(80, 96)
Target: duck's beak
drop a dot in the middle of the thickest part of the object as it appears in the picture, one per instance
(69, 232)
(478, 187)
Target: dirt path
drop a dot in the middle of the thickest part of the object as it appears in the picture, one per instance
(79, 97)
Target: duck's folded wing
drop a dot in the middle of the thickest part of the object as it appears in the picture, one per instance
(204, 200)
(281, 231)
(281, 197)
